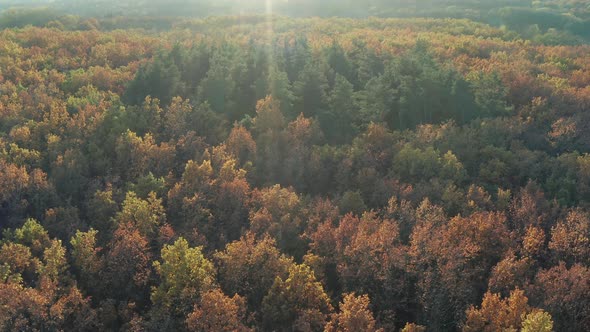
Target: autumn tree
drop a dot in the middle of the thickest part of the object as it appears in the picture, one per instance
(452, 260)
(249, 267)
(570, 238)
(218, 312)
(31, 234)
(497, 314)
(184, 274)
(563, 292)
(280, 213)
(216, 185)
(537, 321)
(241, 144)
(412, 327)
(354, 315)
(17, 262)
(145, 215)
(510, 273)
(370, 259)
(297, 303)
(126, 269)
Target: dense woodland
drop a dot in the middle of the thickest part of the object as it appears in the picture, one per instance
(264, 173)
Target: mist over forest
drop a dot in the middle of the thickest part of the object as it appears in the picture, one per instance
(570, 18)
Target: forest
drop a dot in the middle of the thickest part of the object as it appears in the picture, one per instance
(392, 168)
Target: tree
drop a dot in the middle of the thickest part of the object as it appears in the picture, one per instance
(159, 79)
(564, 293)
(185, 273)
(52, 270)
(208, 124)
(86, 259)
(338, 61)
(136, 156)
(453, 260)
(62, 222)
(148, 184)
(268, 116)
(352, 202)
(231, 201)
(376, 100)
(217, 86)
(411, 327)
(23, 192)
(533, 242)
(354, 316)
(70, 172)
(280, 89)
(218, 312)
(490, 94)
(73, 311)
(570, 238)
(249, 267)
(241, 144)
(530, 207)
(537, 321)
(370, 260)
(100, 211)
(297, 55)
(310, 91)
(279, 212)
(302, 134)
(22, 308)
(268, 127)
(126, 272)
(17, 262)
(498, 314)
(510, 273)
(176, 117)
(213, 198)
(383, 155)
(340, 124)
(412, 165)
(297, 303)
(31, 234)
(145, 215)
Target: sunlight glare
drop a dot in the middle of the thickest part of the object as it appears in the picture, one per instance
(269, 34)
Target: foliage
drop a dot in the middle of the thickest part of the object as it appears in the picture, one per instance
(297, 303)
(249, 172)
(184, 273)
